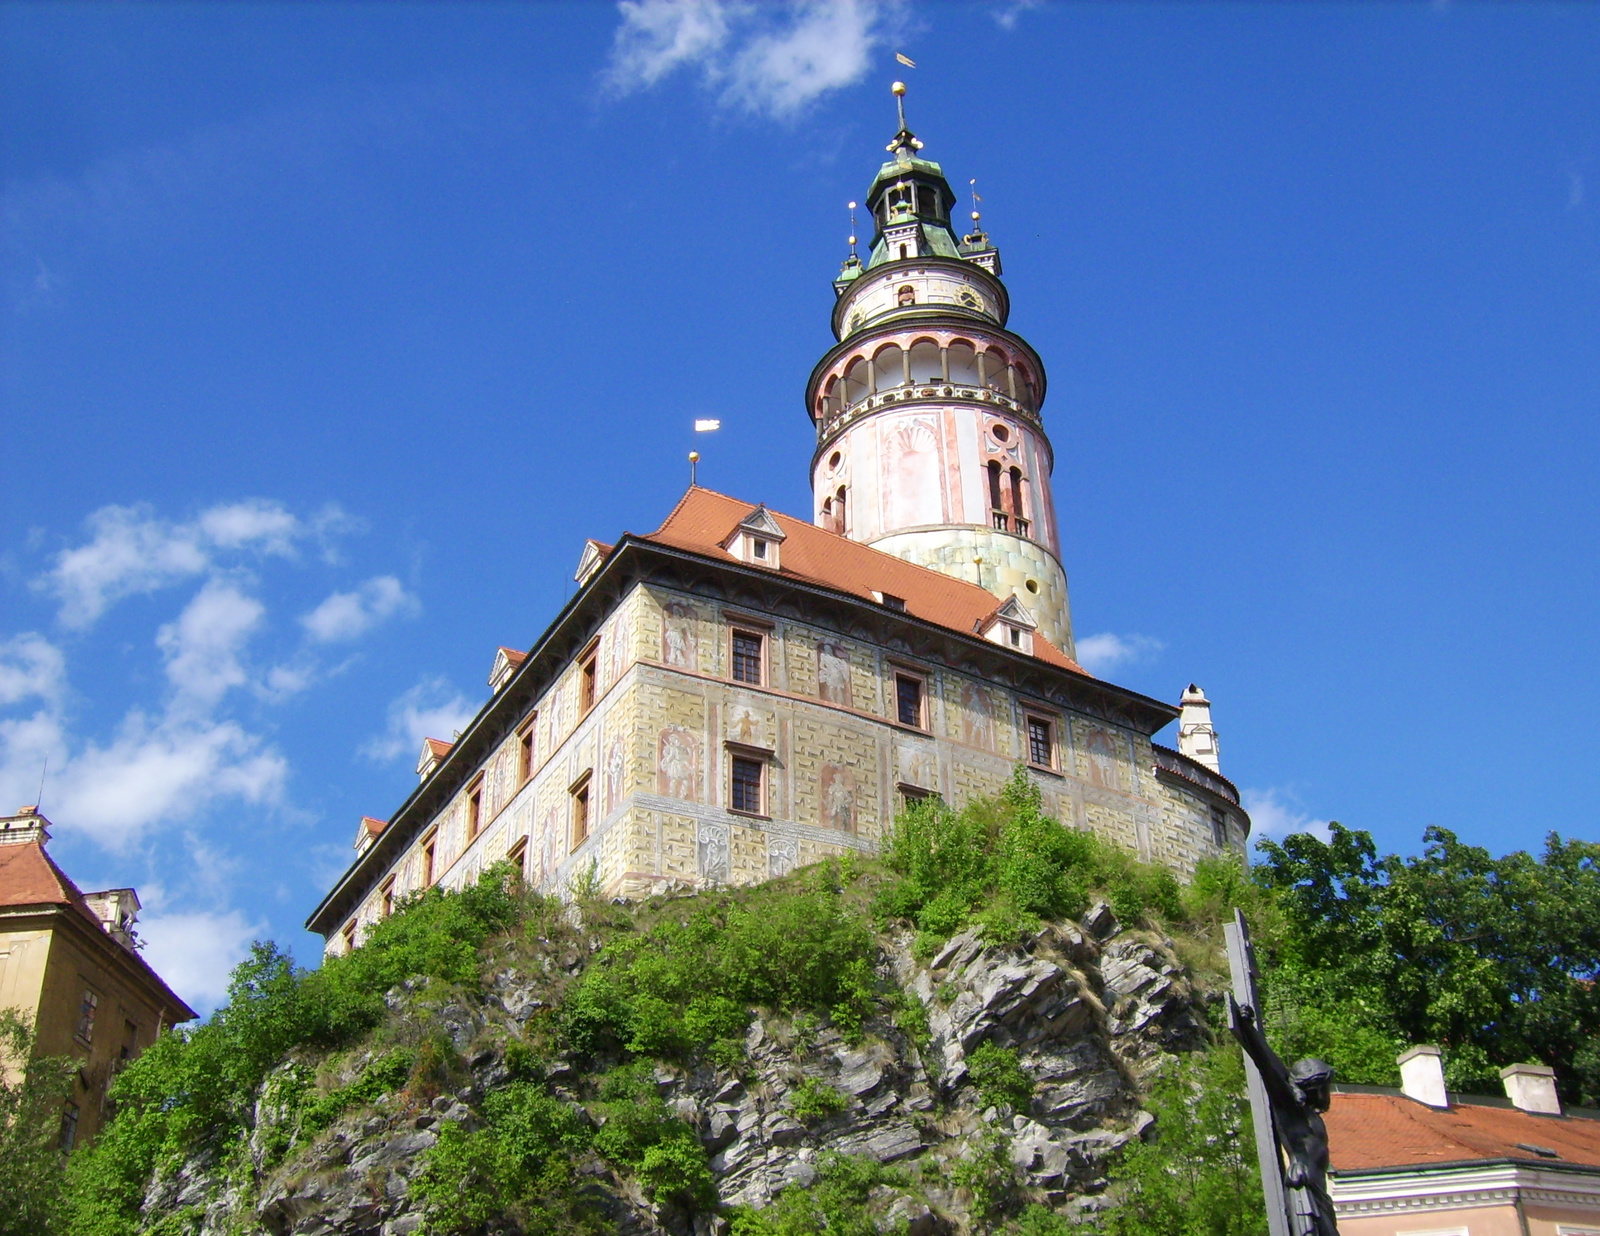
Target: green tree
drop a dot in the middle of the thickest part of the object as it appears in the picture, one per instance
(1493, 959)
(32, 1093)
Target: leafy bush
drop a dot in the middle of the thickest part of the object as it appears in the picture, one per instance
(1197, 1175)
(185, 1089)
(687, 984)
(641, 1135)
(986, 1173)
(521, 1163)
(999, 1077)
(815, 1100)
(836, 1204)
(32, 1091)
(382, 1076)
(1003, 864)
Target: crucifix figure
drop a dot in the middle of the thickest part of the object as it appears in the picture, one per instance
(1298, 1096)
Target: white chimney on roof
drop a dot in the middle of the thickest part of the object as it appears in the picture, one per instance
(1422, 1076)
(1196, 737)
(1532, 1087)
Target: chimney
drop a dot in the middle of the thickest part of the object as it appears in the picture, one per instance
(1532, 1088)
(1422, 1076)
(1196, 737)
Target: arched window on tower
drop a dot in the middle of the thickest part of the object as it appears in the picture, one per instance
(839, 521)
(994, 370)
(997, 509)
(1019, 519)
(855, 382)
(830, 399)
(1026, 395)
(890, 367)
(963, 364)
(925, 362)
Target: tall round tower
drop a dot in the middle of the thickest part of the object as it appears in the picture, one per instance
(930, 443)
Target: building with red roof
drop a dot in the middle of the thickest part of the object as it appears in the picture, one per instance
(741, 691)
(1422, 1162)
(69, 963)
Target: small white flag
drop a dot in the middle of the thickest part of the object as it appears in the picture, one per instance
(905, 60)
(702, 426)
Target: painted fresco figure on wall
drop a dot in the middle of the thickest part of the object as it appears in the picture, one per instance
(1299, 1095)
(833, 674)
(977, 717)
(1103, 770)
(680, 763)
(677, 635)
(838, 786)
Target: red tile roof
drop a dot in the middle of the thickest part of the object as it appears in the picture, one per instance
(703, 520)
(515, 656)
(1367, 1131)
(30, 877)
(439, 747)
(373, 825)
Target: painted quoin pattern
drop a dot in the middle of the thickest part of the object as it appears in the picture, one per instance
(930, 443)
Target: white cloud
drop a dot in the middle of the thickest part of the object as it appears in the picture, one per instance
(1276, 812)
(762, 58)
(431, 709)
(31, 668)
(1005, 16)
(345, 615)
(162, 772)
(196, 952)
(131, 550)
(202, 646)
(1104, 653)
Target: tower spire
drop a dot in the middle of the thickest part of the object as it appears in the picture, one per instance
(905, 145)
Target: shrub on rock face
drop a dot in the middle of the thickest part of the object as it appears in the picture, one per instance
(836, 1204)
(999, 1077)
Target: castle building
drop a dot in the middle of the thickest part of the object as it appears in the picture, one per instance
(69, 964)
(741, 692)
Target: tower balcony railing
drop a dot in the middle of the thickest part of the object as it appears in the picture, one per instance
(923, 393)
(1003, 521)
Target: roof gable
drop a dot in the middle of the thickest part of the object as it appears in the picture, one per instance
(1371, 1131)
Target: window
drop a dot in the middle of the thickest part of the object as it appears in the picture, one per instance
(580, 811)
(839, 511)
(517, 855)
(1041, 739)
(996, 501)
(429, 844)
(387, 893)
(912, 795)
(1016, 636)
(130, 1043)
(890, 601)
(586, 668)
(908, 700)
(747, 779)
(1219, 826)
(69, 1127)
(525, 749)
(1016, 502)
(758, 548)
(747, 657)
(86, 1012)
(474, 809)
(350, 936)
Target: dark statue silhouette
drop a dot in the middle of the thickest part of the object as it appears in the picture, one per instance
(1298, 1096)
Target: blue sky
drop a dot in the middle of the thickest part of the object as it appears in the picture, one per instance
(329, 332)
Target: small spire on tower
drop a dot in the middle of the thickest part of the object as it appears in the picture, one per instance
(905, 143)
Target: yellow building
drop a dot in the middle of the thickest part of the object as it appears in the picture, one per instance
(68, 962)
(742, 692)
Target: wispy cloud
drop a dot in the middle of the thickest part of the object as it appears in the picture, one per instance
(196, 952)
(1276, 812)
(131, 550)
(431, 709)
(31, 667)
(766, 59)
(202, 647)
(346, 615)
(1107, 652)
(1005, 15)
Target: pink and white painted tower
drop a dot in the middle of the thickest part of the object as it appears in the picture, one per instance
(930, 444)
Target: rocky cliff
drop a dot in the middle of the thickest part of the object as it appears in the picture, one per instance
(1021, 1075)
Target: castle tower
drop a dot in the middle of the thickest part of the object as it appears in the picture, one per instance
(930, 441)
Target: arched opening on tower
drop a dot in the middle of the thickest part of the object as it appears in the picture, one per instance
(925, 365)
(889, 366)
(963, 363)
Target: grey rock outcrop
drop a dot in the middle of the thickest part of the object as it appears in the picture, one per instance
(1089, 1009)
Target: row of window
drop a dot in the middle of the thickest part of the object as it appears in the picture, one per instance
(926, 363)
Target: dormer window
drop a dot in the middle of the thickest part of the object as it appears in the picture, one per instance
(757, 539)
(1010, 626)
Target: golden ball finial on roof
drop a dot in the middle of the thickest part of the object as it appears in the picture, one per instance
(898, 88)
(694, 456)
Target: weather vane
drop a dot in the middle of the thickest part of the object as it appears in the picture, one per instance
(976, 213)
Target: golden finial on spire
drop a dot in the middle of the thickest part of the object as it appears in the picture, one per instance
(852, 229)
(899, 89)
